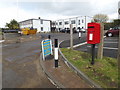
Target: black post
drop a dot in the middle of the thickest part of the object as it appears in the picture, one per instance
(49, 37)
(93, 54)
(56, 52)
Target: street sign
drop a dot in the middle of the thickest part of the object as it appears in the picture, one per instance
(46, 48)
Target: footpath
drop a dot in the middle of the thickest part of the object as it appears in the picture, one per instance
(62, 76)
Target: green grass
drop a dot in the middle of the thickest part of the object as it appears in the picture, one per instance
(104, 71)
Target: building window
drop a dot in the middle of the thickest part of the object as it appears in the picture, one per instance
(41, 21)
(73, 22)
(78, 22)
(56, 23)
(41, 28)
(66, 22)
(82, 21)
(60, 23)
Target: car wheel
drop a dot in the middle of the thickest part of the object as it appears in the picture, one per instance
(109, 34)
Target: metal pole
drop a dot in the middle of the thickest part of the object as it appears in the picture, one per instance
(93, 54)
(56, 53)
(85, 22)
(71, 37)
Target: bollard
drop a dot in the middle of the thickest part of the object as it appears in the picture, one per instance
(49, 37)
(56, 53)
(79, 34)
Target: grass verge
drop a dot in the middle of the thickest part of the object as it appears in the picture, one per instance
(104, 71)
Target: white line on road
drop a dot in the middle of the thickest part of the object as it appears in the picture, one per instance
(106, 48)
(2, 41)
(111, 42)
(78, 45)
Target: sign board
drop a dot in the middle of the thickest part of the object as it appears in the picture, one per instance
(46, 48)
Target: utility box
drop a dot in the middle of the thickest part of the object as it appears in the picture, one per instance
(93, 33)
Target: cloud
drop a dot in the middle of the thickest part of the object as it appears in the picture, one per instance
(55, 9)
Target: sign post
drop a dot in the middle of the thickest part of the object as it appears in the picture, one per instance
(46, 48)
(71, 37)
(93, 37)
(93, 53)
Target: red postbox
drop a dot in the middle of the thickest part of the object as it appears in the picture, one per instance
(93, 33)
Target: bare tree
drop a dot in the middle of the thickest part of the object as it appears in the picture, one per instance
(100, 18)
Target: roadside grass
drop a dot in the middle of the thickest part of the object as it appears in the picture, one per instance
(104, 71)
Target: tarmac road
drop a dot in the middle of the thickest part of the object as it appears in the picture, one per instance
(110, 48)
(20, 63)
(21, 67)
(110, 45)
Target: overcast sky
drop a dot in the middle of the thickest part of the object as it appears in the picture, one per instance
(55, 9)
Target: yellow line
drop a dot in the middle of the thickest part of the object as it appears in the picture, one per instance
(46, 42)
(46, 45)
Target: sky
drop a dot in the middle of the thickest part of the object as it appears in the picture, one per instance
(55, 9)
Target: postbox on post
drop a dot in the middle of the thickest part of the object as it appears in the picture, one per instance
(93, 33)
(93, 37)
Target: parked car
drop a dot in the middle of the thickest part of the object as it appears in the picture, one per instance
(11, 31)
(82, 30)
(67, 30)
(113, 32)
(63, 30)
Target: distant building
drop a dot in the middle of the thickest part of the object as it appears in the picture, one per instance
(77, 22)
(119, 10)
(41, 25)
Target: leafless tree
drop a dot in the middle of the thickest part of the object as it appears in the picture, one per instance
(100, 18)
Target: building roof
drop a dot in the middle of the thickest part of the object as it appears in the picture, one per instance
(34, 19)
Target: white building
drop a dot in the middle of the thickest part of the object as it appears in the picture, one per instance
(41, 25)
(77, 22)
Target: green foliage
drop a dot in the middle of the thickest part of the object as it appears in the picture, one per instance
(13, 24)
(113, 24)
(104, 71)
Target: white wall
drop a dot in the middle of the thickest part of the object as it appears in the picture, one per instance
(26, 26)
(36, 24)
(76, 25)
(46, 26)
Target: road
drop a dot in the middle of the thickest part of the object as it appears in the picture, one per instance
(20, 63)
(110, 48)
(110, 45)
(21, 68)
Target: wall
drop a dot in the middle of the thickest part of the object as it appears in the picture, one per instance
(36, 24)
(46, 26)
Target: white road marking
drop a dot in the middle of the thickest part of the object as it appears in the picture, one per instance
(2, 41)
(78, 45)
(106, 48)
(111, 42)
